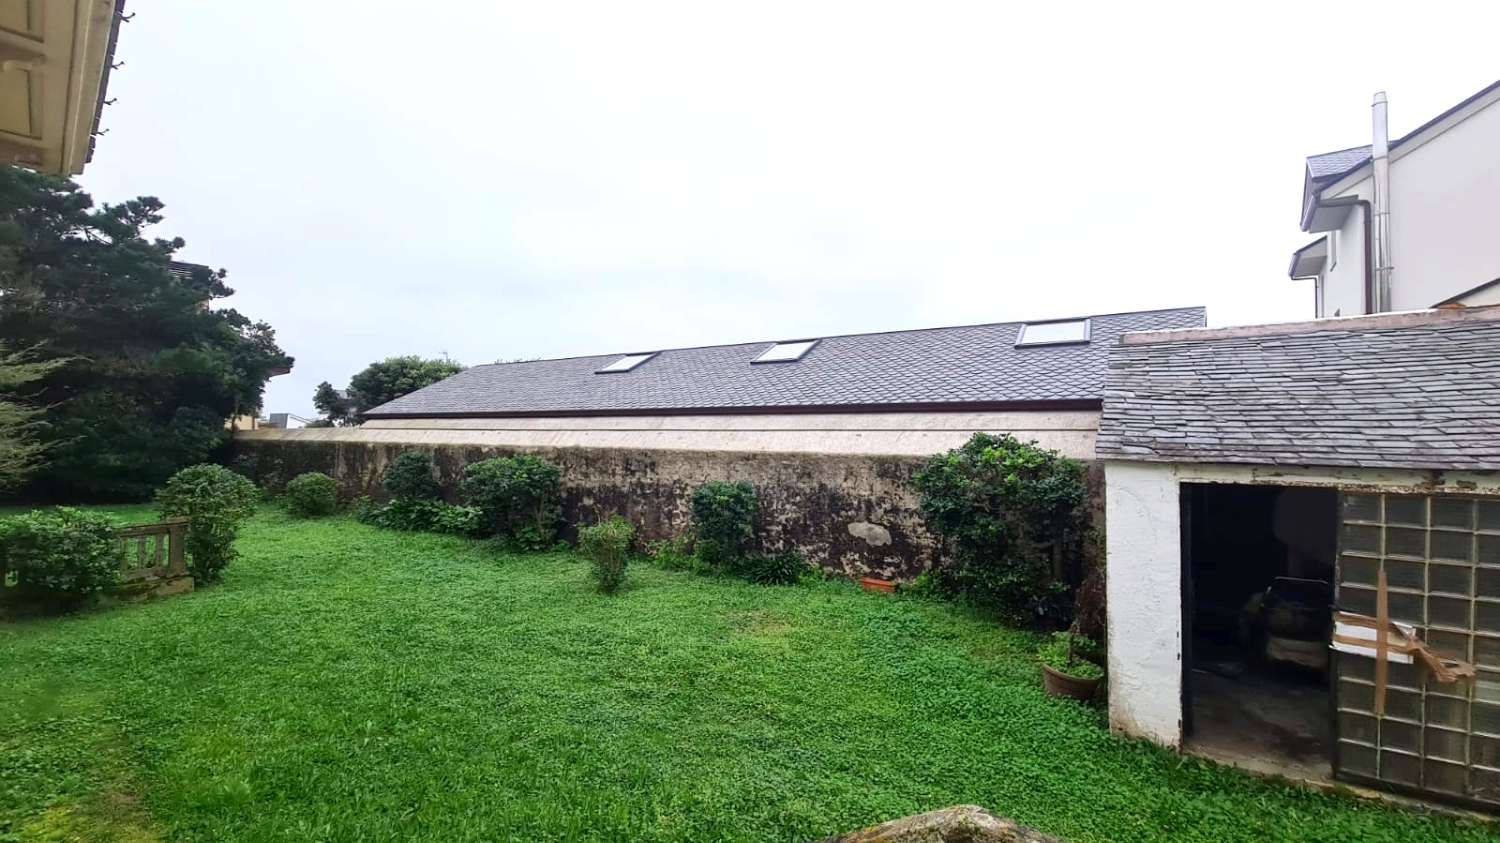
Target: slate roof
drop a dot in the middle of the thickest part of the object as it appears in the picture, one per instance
(1414, 391)
(964, 367)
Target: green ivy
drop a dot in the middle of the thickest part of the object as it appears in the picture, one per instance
(1012, 514)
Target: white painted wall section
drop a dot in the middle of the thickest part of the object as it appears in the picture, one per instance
(1443, 240)
(1143, 581)
(1071, 433)
(1143, 570)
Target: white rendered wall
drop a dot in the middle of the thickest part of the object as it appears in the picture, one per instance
(1444, 195)
(1071, 433)
(1143, 584)
(1144, 570)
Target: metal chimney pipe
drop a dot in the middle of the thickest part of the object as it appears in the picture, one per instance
(1380, 159)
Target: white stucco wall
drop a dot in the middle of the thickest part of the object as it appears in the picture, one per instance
(1071, 433)
(1143, 585)
(1144, 570)
(1443, 220)
(1343, 285)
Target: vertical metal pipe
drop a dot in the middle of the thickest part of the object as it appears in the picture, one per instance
(1380, 152)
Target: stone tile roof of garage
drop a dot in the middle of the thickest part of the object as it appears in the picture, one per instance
(968, 367)
(1414, 391)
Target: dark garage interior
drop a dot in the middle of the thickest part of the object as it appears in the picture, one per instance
(1258, 592)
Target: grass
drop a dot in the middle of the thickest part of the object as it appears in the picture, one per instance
(345, 683)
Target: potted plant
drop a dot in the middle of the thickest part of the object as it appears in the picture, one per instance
(1069, 668)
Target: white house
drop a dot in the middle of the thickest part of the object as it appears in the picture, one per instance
(1439, 216)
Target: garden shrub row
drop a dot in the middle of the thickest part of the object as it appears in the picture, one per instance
(518, 501)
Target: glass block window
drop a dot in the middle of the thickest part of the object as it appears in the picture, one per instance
(1441, 557)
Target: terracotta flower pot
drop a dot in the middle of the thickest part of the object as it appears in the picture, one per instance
(876, 584)
(1059, 684)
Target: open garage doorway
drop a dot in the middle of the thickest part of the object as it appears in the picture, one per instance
(1258, 574)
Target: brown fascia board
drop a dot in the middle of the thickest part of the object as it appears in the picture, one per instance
(785, 410)
(1379, 321)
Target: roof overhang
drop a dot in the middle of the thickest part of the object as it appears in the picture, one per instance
(1327, 214)
(54, 66)
(794, 409)
(1310, 260)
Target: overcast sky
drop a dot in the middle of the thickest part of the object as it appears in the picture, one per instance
(501, 180)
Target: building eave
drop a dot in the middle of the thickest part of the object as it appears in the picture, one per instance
(794, 409)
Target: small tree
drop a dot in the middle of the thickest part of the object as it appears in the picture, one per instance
(607, 547)
(334, 404)
(724, 522)
(520, 496)
(217, 501)
(409, 477)
(1011, 513)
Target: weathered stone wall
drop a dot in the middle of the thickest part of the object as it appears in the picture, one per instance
(851, 514)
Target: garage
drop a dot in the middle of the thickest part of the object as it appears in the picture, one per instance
(1303, 548)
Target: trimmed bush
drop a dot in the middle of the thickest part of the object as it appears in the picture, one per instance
(520, 498)
(312, 495)
(607, 546)
(409, 477)
(1013, 515)
(782, 568)
(217, 501)
(424, 516)
(724, 520)
(60, 556)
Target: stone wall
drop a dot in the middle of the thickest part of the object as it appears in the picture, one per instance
(851, 514)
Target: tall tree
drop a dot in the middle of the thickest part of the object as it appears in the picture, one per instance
(21, 451)
(379, 382)
(152, 371)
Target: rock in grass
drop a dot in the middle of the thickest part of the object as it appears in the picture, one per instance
(959, 824)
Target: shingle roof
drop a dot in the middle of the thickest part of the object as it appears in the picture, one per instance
(1410, 391)
(1328, 164)
(962, 366)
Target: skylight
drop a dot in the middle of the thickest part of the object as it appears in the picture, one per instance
(1054, 333)
(785, 352)
(626, 363)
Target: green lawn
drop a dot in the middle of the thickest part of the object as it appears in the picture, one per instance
(350, 684)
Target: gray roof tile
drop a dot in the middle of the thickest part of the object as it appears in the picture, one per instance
(1417, 396)
(961, 365)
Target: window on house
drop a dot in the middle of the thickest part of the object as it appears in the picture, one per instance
(626, 363)
(1054, 333)
(785, 352)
